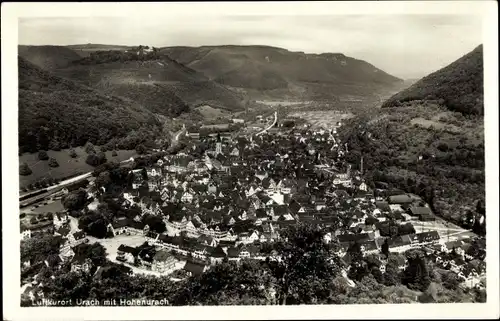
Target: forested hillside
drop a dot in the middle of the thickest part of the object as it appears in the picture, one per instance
(57, 113)
(296, 74)
(458, 86)
(432, 142)
(144, 75)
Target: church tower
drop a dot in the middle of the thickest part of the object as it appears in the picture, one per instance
(218, 148)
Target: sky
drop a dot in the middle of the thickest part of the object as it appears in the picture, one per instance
(406, 46)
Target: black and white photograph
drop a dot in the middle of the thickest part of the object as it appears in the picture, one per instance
(189, 154)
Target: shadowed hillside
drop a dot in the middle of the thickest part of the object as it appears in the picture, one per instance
(294, 73)
(433, 143)
(458, 86)
(48, 57)
(55, 113)
(151, 79)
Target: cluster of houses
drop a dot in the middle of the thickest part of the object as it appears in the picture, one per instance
(238, 197)
(242, 193)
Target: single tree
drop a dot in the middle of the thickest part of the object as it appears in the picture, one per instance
(370, 220)
(72, 153)
(416, 275)
(306, 268)
(42, 155)
(114, 153)
(101, 156)
(75, 200)
(385, 248)
(53, 162)
(89, 148)
(144, 174)
(140, 149)
(92, 159)
(24, 170)
(103, 180)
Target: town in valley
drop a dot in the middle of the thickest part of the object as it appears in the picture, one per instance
(180, 173)
(227, 196)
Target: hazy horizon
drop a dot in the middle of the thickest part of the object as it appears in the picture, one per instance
(406, 46)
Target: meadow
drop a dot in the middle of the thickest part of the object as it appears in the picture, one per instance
(67, 166)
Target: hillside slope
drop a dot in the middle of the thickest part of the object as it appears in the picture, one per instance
(48, 57)
(429, 147)
(296, 73)
(55, 113)
(458, 86)
(151, 79)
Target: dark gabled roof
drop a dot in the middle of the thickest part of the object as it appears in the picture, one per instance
(328, 219)
(266, 182)
(135, 224)
(233, 252)
(162, 256)
(218, 252)
(413, 237)
(128, 249)
(264, 198)
(344, 238)
(358, 213)
(341, 193)
(304, 217)
(280, 210)
(79, 259)
(369, 245)
(294, 206)
(196, 269)
(260, 213)
(242, 228)
(152, 235)
(252, 249)
(226, 243)
(420, 210)
(428, 236)
(400, 199)
(398, 241)
(165, 238)
(119, 223)
(283, 224)
(79, 235)
(383, 206)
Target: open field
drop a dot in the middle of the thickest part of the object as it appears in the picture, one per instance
(322, 119)
(276, 103)
(52, 206)
(446, 230)
(427, 123)
(209, 112)
(111, 245)
(67, 165)
(216, 126)
(29, 212)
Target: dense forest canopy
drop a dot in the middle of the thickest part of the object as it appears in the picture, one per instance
(57, 113)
